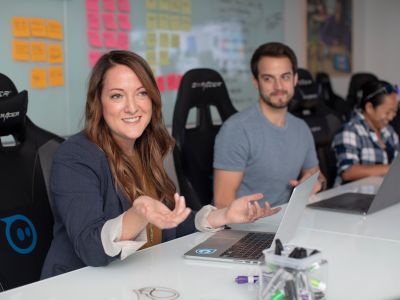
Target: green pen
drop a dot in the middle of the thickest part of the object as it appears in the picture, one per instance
(278, 295)
(315, 283)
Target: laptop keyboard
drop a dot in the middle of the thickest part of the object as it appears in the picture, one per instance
(250, 246)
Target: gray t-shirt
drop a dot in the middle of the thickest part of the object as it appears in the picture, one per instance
(268, 155)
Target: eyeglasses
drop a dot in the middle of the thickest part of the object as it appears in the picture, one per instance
(387, 89)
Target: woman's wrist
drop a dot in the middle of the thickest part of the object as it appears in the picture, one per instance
(217, 218)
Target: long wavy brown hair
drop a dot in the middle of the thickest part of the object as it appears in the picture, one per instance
(144, 175)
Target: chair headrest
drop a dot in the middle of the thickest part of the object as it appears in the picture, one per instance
(202, 87)
(13, 107)
(356, 81)
(307, 91)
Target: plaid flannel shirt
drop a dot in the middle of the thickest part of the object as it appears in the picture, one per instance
(357, 143)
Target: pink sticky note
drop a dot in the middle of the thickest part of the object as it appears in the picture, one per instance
(109, 5)
(109, 21)
(124, 5)
(94, 57)
(173, 81)
(94, 39)
(124, 22)
(93, 20)
(109, 39)
(92, 5)
(161, 83)
(123, 41)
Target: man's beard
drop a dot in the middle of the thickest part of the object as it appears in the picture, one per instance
(279, 105)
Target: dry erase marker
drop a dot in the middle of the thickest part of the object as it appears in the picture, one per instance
(247, 279)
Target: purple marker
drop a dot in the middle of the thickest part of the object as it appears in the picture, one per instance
(247, 279)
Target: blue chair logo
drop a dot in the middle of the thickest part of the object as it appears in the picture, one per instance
(20, 233)
(205, 251)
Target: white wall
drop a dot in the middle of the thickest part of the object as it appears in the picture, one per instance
(376, 42)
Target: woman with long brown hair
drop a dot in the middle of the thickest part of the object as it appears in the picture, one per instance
(111, 193)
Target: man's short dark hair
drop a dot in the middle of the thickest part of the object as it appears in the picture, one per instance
(273, 49)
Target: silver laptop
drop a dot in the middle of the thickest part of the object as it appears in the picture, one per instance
(388, 194)
(246, 246)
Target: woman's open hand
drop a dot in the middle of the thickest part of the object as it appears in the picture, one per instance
(158, 214)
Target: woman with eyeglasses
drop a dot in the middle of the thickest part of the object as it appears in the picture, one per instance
(367, 144)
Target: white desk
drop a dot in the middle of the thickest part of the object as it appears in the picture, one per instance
(363, 254)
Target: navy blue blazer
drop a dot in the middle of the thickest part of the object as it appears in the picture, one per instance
(84, 198)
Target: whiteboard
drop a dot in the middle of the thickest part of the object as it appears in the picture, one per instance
(218, 34)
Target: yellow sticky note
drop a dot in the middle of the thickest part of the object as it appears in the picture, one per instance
(21, 50)
(20, 26)
(186, 23)
(151, 57)
(164, 40)
(164, 5)
(151, 4)
(175, 22)
(38, 27)
(187, 7)
(56, 76)
(175, 41)
(175, 6)
(38, 51)
(54, 30)
(151, 21)
(164, 22)
(55, 54)
(38, 78)
(164, 57)
(151, 39)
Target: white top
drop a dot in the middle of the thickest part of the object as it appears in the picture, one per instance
(112, 230)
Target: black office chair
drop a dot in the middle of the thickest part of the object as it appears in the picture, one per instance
(26, 221)
(354, 93)
(200, 89)
(323, 121)
(330, 98)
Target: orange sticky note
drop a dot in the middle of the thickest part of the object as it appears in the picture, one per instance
(94, 39)
(21, 50)
(38, 78)
(20, 27)
(109, 21)
(124, 22)
(56, 76)
(93, 20)
(55, 54)
(38, 51)
(124, 5)
(38, 27)
(54, 30)
(109, 39)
